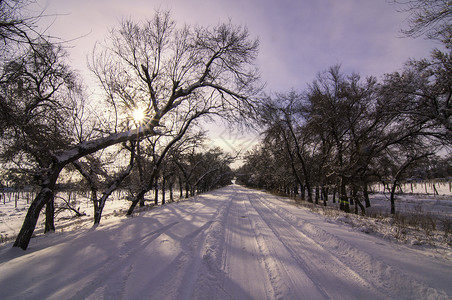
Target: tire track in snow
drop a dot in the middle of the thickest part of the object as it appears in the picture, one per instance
(197, 262)
(333, 278)
(392, 283)
(287, 278)
(181, 276)
(242, 261)
(115, 266)
(279, 288)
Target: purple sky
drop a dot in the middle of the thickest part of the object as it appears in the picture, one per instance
(298, 38)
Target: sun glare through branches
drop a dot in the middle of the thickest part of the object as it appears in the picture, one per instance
(139, 114)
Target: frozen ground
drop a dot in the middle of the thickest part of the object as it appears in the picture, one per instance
(12, 212)
(233, 243)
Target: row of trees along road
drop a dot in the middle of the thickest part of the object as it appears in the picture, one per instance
(173, 75)
(159, 79)
(344, 132)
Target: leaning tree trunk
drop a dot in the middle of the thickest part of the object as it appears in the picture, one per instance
(155, 170)
(45, 195)
(95, 201)
(50, 216)
(62, 158)
(357, 201)
(113, 186)
(139, 196)
(29, 225)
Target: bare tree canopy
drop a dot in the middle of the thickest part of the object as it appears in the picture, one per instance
(17, 28)
(343, 132)
(430, 17)
(174, 74)
(157, 66)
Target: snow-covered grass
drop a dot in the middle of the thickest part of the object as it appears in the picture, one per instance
(420, 219)
(232, 243)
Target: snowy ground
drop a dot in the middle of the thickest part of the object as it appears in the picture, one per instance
(233, 243)
(14, 206)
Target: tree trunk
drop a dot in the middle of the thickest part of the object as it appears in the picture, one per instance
(29, 225)
(393, 197)
(308, 188)
(334, 193)
(399, 174)
(97, 216)
(100, 208)
(140, 168)
(366, 195)
(303, 163)
(95, 201)
(181, 188)
(344, 204)
(50, 216)
(361, 206)
(163, 190)
(317, 194)
(45, 195)
(357, 201)
(112, 187)
(325, 195)
(435, 190)
(171, 192)
(156, 191)
(141, 202)
(351, 198)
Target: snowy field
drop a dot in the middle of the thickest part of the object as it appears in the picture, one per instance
(416, 197)
(14, 206)
(233, 243)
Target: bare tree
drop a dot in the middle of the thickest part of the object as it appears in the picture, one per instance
(158, 158)
(18, 30)
(169, 71)
(430, 17)
(37, 100)
(400, 162)
(205, 170)
(356, 128)
(283, 119)
(92, 170)
(423, 94)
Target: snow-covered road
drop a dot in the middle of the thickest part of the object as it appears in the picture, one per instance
(233, 243)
